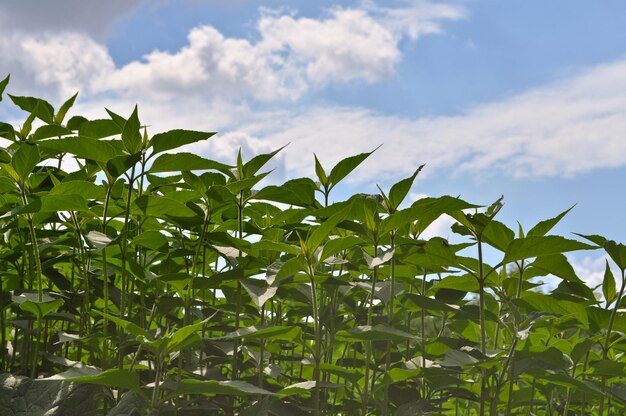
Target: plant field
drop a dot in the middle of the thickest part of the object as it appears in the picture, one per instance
(151, 280)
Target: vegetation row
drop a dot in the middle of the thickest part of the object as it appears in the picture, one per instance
(151, 280)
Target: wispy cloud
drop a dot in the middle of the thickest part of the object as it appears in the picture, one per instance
(216, 82)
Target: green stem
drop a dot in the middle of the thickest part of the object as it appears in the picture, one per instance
(483, 333)
(369, 387)
(607, 341)
(105, 279)
(317, 354)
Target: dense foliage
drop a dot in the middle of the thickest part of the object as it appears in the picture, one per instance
(145, 281)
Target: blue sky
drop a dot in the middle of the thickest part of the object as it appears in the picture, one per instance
(521, 98)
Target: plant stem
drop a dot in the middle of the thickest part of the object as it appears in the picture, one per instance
(317, 355)
(369, 388)
(607, 341)
(483, 334)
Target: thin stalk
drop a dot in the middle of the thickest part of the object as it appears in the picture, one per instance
(607, 340)
(124, 279)
(317, 348)
(238, 306)
(105, 279)
(390, 313)
(261, 350)
(423, 334)
(368, 389)
(483, 334)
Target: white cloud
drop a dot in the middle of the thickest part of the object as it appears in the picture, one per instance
(291, 55)
(561, 129)
(591, 269)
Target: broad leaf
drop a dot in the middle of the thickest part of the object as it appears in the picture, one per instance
(174, 139)
(185, 161)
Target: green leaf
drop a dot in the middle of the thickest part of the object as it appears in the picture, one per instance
(298, 192)
(160, 206)
(119, 165)
(29, 302)
(399, 190)
(374, 333)
(98, 239)
(84, 147)
(174, 139)
(543, 227)
(319, 171)
(131, 137)
(114, 378)
(185, 162)
(97, 129)
(25, 159)
(529, 247)
(608, 285)
(251, 167)
(498, 235)
(424, 211)
(347, 165)
(273, 333)
(153, 240)
(178, 339)
(545, 303)
(321, 232)
(7, 131)
(55, 203)
(415, 303)
(50, 130)
(87, 190)
(259, 295)
(58, 119)
(336, 245)
(617, 251)
(36, 106)
(213, 387)
(3, 85)
(130, 327)
(557, 265)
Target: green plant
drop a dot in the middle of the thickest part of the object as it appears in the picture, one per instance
(173, 284)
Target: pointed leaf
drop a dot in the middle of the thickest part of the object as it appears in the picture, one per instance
(25, 159)
(131, 137)
(321, 232)
(174, 139)
(529, 247)
(557, 265)
(114, 378)
(251, 167)
(95, 129)
(130, 327)
(398, 191)
(347, 165)
(84, 147)
(179, 162)
(50, 130)
(608, 285)
(213, 387)
(374, 333)
(36, 106)
(259, 295)
(543, 227)
(3, 85)
(64, 109)
(274, 333)
(319, 171)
